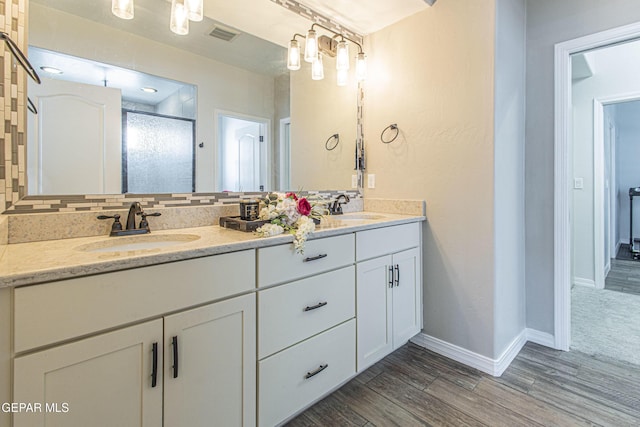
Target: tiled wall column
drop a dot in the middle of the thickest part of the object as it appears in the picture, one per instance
(13, 21)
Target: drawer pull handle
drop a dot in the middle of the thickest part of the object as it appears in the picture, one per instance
(314, 258)
(174, 344)
(313, 307)
(391, 276)
(316, 372)
(154, 366)
(397, 274)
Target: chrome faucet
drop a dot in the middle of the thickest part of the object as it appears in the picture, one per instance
(335, 208)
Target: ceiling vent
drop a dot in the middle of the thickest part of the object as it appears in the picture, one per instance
(224, 33)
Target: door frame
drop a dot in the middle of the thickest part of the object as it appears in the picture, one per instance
(284, 184)
(562, 169)
(599, 179)
(217, 114)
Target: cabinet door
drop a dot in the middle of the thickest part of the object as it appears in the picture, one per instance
(215, 381)
(104, 380)
(407, 296)
(374, 305)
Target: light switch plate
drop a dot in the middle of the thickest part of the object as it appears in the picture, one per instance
(371, 180)
(578, 183)
(354, 181)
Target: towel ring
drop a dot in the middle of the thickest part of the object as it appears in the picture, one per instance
(328, 146)
(390, 127)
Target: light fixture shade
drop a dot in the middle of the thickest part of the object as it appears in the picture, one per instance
(311, 47)
(361, 67)
(179, 23)
(195, 9)
(317, 69)
(122, 8)
(342, 57)
(342, 77)
(293, 55)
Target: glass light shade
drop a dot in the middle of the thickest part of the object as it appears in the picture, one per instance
(342, 57)
(122, 8)
(293, 57)
(342, 77)
(317, 69)
(179, 18)
(311, 47)
(361, 67)
(195, 9)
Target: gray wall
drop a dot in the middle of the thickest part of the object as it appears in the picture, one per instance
(550, 22)
(627, 122)
(509, 127)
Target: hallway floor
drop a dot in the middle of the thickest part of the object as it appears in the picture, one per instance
(624, 276)
(415, 387)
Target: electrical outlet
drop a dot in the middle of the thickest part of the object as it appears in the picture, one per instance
(371, 180)
(354, 181)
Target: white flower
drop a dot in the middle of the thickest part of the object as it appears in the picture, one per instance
(269, 230)
(304, 226)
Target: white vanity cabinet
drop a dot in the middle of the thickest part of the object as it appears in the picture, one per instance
(187, 367)
(389, 290)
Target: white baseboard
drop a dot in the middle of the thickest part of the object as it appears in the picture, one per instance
(581, 281)
(485, 364)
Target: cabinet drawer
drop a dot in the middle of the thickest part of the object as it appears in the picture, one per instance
(52, 312)
(383, 241)
(286, 382)
(279, 264)
(293, 312)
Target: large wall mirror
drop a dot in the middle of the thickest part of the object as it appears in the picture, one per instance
(139, 109)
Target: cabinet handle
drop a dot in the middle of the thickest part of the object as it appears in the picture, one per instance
(154, 366)
(174, 344)
(316, 372)
(397, 274)
(391, 276)
(313, 307)
(314, 258)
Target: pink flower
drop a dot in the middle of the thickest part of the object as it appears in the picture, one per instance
(304, 207)
(292, 195)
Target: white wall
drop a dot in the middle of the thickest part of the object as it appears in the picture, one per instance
(433, 75)
(615, 72)
(627, 122)
(550, 22)
(509, 126)
(220, 86)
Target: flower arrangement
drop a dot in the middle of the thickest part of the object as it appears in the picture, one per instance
(286, 212)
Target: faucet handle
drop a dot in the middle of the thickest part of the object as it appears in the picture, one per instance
(143, 222)
(117, 226)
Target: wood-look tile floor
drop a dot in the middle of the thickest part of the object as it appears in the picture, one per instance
(624, 276)
(415, 387)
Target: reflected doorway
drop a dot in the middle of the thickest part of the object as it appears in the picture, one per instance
(243, 163)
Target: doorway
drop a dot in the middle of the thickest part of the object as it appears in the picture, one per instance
(565, 177)
(243, 153)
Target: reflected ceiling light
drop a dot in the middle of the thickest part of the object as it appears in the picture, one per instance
(122, 8)
(314, 48)
(149, 89)
(195, 10)
(317, 69)
(51, 70)
(293, 53)
(179, 22)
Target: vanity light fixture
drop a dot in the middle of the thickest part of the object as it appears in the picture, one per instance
(149, 89)
(51, 70)
(122, 8)
(195, 8)
(335, 46)
(179, 22)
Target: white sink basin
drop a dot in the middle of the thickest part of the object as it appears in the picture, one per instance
(137, 243)
(333, 221)
(357, 217)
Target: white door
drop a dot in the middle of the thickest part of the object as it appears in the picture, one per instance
(210, 365)
(74, 140)
(406, 296)
(101, 381)
(374, 305)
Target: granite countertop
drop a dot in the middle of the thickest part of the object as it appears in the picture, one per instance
(45, 261)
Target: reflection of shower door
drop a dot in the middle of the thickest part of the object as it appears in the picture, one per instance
(158, 154)
(243, 154)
